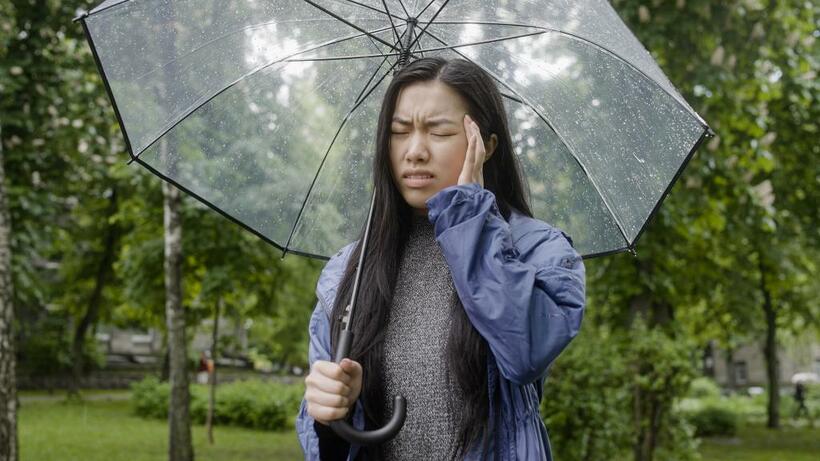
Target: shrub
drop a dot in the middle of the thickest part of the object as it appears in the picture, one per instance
(714, 419)
(704, 387)
(591, 391)
(585, 403)
(149, 398)
(252, 404)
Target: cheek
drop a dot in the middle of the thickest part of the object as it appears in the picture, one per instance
(395, 159)
(453, 157)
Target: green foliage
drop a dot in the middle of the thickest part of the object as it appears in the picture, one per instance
(714, 420)
(743, 213)
(704, 387)
(251, 404)
(586, 400)
(149, 398)
(48, 352)
(594, 387)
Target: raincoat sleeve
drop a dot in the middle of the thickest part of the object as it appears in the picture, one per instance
(527, 297)
(319, 349)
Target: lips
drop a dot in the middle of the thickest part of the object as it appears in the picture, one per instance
(417, 179)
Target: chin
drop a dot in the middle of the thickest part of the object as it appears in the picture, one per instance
(418, 199)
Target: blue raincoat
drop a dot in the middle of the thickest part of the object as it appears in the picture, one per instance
(522, 286)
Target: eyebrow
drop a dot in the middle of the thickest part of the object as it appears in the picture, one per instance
(429, 123)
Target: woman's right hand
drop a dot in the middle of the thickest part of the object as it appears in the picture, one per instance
(331, 389)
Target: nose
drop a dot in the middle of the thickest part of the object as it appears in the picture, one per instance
(417, 149)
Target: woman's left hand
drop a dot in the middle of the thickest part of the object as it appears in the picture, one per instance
(473, 169)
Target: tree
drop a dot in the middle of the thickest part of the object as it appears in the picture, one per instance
(8, 387)
(180, 447)
(749, 70)
(8, 363)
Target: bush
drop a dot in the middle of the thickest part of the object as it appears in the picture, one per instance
(585, 403)
(252, 404)
(48, 351)
(714, 419)
(150, 398)
(589, 400)
(704, 387)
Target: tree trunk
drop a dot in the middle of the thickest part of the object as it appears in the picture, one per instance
(708, 360)
(179, 420)
(8, 384)
(731, 382)
(212, 381)
(770, 352)
(94, 301)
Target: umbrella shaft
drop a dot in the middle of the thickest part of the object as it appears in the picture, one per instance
(346, 320)
(404, 55)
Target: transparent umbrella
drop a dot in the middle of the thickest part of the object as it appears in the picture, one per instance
(266, 110)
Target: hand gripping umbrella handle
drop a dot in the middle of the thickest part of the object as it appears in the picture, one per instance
(377, 436)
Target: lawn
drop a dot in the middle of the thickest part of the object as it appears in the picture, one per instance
(105, 430)
(756, 443)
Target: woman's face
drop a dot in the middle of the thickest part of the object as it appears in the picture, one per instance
(428, 142)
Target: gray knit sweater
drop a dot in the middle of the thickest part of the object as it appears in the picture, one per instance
(414, 351)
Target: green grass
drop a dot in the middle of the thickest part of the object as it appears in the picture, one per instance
(756, 443)
(105, 430)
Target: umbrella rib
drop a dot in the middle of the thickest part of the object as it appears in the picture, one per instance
(330, 145)
(480, 42)
(392, 24)
(419, 50)
(221, 37)
(171, 126)
(107, 7)
(375, 9)
(360, 29)
(428, 23)
(552, 127)
(586, 41)
(360, 97)
(224, 213)
(402, 7)
(342, 58)
(425, 8)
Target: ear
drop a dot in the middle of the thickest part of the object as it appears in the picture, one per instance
(489, 147)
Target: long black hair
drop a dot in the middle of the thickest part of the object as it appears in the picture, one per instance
(466, 350)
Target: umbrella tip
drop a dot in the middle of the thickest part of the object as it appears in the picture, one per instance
(632, 251)
(81, 16)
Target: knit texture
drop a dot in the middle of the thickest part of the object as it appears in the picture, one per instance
(414, 351)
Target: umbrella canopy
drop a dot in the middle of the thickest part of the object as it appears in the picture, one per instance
(805, 377)
(266, 111)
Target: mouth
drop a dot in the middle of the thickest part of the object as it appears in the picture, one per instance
(417, 180)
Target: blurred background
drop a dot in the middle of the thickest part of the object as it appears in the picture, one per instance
(703, 345)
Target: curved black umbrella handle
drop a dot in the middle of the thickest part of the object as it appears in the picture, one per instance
(350, 433)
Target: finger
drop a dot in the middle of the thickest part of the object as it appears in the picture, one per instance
(326, 399)
(479, 148)
(329, 385)
(319, 381)
(352, 368)
(332, 371)
(327, 414)
(468, 130)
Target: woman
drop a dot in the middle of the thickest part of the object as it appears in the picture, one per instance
(465, 299)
